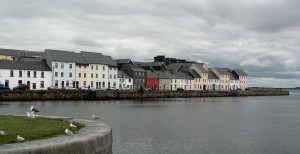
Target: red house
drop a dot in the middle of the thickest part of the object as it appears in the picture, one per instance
(152, 80)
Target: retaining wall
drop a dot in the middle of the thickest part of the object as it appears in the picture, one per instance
(30, 95)
(94, 138)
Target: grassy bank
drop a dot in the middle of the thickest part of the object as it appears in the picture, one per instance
(32, 129)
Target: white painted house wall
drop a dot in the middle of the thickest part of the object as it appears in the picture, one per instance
(213, 84)
(234, 84)
(113, 77)
(5, 75)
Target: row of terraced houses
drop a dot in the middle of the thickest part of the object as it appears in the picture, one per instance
(62, 69)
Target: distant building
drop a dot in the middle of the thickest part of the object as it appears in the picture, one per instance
(125, 81)
(36, 75)
(224, 77)
(157, 66)
(20, 55)
(242, 76)
(213, 81)
(137, 73)
(152, 80)
(121, 62)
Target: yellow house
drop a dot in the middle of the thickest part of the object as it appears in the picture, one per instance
(224, 77)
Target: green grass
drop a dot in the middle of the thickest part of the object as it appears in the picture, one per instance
(32, 129)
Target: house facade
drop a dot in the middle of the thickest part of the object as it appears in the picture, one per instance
(224, 77)
(125, 81)
(234, 83)
(242, 76)
(213, 81)
(152, 80)
(138, 74)
(36, 75)
(63, 67)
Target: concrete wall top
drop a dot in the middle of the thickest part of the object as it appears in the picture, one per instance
(95, 137)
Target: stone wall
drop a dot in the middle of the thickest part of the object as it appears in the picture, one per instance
(94, 138)
(107, 95)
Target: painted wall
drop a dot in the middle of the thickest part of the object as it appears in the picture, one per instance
(113, 81)
(36, 82)
(234, 84)
(125, 83)
(165, 84)
(82, 72)
(63, 74)
(213, 84)
(97, 76)
(243, 82)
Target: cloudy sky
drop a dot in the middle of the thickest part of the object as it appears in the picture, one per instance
(260, 36)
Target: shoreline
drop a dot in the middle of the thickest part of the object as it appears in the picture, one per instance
(44, 95)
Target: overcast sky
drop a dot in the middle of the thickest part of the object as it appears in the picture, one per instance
(261, 37)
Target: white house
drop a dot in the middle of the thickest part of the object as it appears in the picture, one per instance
(63, 67)
(113, 81)
(234, 82)
(125, 81)
(36, 75)
(213, 81)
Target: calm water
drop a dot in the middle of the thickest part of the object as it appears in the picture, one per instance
(189, 125)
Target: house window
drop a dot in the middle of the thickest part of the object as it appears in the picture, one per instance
(92, 75)
(110, 76)
(110, 68)
(115, 76)
(56, 74)
(96, 75)
(96, 67)
(42, 84)
(33, 85)
(42, 75)
(115, 69)
(56, 65)
(20, 81)
(70, 66)
(135, 73)
(92, 84)
(34, 74)
(20, 73)
(84, 75)
(79, 66)
(103, 76)
(62, 65)
(129, 80)
(67, 83)
(79, 75)
(103, 68)
(70, 74)
(103, 84)
(84, 66)
(28, 73)
(56, 83)
(84, 83)
(11, 73)
(62, 74)
(92, 67)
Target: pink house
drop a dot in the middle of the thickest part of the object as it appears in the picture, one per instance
(242, 76)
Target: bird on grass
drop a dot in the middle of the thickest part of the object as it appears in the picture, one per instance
(72, 125)
(2, 132)
(31, 114)
(68, 132)
(94, 117)
(19, 138)
(34, 110)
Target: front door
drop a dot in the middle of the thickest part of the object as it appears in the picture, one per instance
(28, 85)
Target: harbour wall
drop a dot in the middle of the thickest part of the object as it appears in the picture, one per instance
(31, 95)
(94, 138)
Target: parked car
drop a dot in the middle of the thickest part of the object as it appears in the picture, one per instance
(180, 89)
(3, 87)
(84, 88)
(53, 88)
(21, 87)
(70, 88)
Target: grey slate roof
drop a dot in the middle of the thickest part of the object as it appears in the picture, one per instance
(123, 61)
(182, 75)
(151, 74)
(22, 54)
(194, 74)
(62, 56)
(175, 66)
(212, 75)
(166, 75)
(123, 74)
(149, 63)
(233, 77)
(16, 65)
(136, 68)
(223, 70)
(201, 67)
(98, 58)
(240, 72)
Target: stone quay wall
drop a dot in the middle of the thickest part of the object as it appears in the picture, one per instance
(31, 95)
(94, 138)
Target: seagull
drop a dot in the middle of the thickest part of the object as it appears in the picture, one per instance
(31, 114)
(94, 117)
(68, 132)
(72, 125)
(2, 132)
(34, 110)
(20, 138)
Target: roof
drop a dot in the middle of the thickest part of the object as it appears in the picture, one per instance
(63, 56)
(175, 66)
(240, 72)
(98, 58)
(233, 77)
(136, 68)
(182, 75)
(24, 65)
(165, 75)
(123, 74)
(152, 74)
(124, 61)
(212, 75)
(194, 74)
(17, 53)
(222, 70)
(150, 63)
(201, 66)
